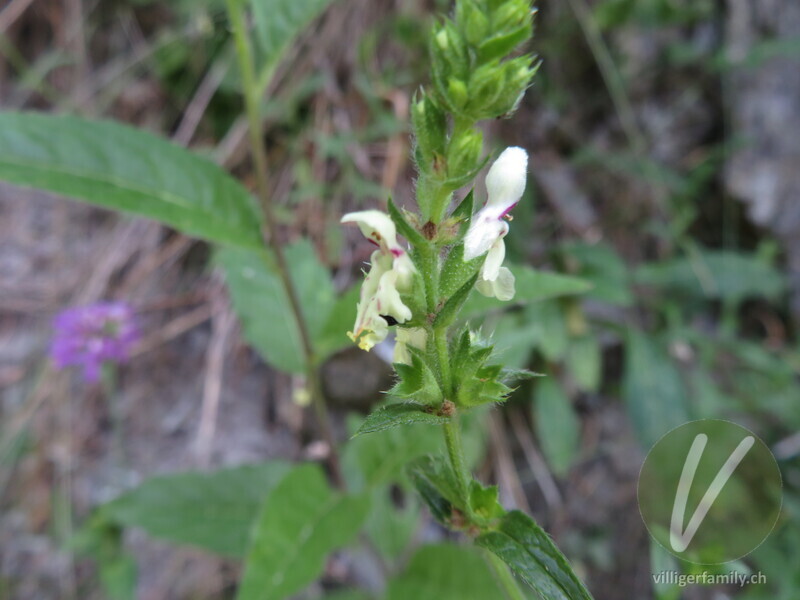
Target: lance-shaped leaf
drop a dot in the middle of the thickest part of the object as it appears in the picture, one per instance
(530, 552)
(403, 413)
(130, 170)
(264, 309)
(214, 511)
(446, 572)
(301, 522)
(435, 483)
(453, 304)
(416, 381)
(404, 228)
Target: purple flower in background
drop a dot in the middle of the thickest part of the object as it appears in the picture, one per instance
(92, 335)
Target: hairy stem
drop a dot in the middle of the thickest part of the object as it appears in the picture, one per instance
(452, 438)
(252, 93)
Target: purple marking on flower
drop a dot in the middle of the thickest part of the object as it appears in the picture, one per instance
(89, 336)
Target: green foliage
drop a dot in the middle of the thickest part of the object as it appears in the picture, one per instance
(601, 266)
(476, 382)
(395, 415)
(724, 275)
(531, 286)
(214, 511)
(653, 391)
(262, 304)
(101, 540)
(379, 458)
(278, 22)
(583, 359)
(469, 79)
(301, 522)
(445, 572)
(392, 527)
(417, 381)
(557, 425)
(119, 167)
(435, 482)
(532, 555)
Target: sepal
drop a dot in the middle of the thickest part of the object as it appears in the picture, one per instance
(416, 381)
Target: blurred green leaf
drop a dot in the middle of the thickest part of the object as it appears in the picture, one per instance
(445, 572)
(532, 555)
(130, 170)
(302, 521)
(214, 511)
(341, 318)
(557, 425)
(392, 527)
(433, 479)
(278, 22)
(662, 561)
(395, 415)
(531, 286)
(653, 391)
(379, 458)
(550, 334)
(263, 306)
(600, 265)
(724, 275)
(102, 540)
(584, 361)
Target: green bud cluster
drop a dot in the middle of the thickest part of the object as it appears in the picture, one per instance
(474, 77)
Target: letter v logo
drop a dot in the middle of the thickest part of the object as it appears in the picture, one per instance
(680, 539)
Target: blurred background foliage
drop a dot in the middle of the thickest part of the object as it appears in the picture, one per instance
(664, 173)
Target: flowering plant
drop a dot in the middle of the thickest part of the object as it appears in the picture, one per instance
(284, 520)
(94, 335)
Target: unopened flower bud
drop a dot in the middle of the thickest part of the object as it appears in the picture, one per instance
(464, 153)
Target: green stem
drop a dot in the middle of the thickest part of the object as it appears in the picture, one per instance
(252, 93)
(443, 354)
(108, 375)
(452, 438)
(504, 577)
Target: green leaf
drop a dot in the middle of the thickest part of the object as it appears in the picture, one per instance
(532, 286)
(214, 511)
(532, 555)
(390, 527)
(445, 572)
(453, 304)
(264, 309)
(416, 381)
(551, 335)
(278, 22)
(484, 502)
(341, 318)
(433, 479)
(602, 266)
(583, 360)
(726, 275)
(130, 170)
(395, 415)
(405, 228)
(379, 458)
(557, 426)
(652, 388)
(302, 521)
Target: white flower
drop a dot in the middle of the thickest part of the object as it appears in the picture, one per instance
(505, 184)
(390, 274)
(408, 336)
